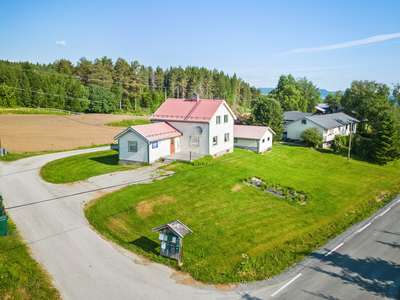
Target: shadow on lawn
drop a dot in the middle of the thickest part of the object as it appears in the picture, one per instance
(146, 244)
(111, 160)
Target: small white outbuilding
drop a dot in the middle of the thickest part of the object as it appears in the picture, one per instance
(254, 138)
(147, 143)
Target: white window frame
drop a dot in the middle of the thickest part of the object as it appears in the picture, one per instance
(218, 120)
(226, 119)
(215, 140)
(194, 140)
(226, 137)
(130, 146)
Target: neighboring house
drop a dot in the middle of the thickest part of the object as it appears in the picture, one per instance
(290, 116)
(254, 138)
(328, 125)
(196, 125)
(147, 143)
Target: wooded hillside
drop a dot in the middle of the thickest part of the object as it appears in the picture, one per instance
(105, 86)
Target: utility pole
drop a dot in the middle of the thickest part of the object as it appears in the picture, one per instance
(348, 155)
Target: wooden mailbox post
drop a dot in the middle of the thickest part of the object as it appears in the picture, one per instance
(171, 235)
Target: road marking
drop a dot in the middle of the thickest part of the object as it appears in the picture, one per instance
(364, 227)
(274, 294)
(385, 212)
(334, 249)
(398, 201)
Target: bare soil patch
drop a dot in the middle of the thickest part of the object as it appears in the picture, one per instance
(22, 133)
(236, 187)
(145, 209)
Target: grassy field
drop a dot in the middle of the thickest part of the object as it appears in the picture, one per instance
(242, 234)
(83, 166)
(20, 276)
(15, 156)
(32, 111)
(129, 122)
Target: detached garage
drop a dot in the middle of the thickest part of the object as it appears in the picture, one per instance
(147, 143)
(254, 138)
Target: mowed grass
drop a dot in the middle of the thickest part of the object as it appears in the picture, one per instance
(129, 122)
(16, 156)
(83, 166)
(242, 234)
(20, 276)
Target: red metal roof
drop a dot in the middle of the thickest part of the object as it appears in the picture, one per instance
(187, 110)
(250, 132)
(153, 132)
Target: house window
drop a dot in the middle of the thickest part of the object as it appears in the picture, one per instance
(218, 119)
(226, 137)
(132, 146)
(346, 126)
(225, 118)
(194, 141)
(215, 140)
(304, 121)
(268, 138)
(263, 140)
(235, 141)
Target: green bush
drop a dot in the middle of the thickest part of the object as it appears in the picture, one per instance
(203, 161)
(312, 137)
(337, 144)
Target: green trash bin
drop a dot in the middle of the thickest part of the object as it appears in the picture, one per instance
(3, 225)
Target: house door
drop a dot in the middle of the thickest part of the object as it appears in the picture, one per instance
(172, 145)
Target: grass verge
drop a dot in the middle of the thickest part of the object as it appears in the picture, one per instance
(21, 277)
(83, 166)
(242, 234)
(129, 122)
(15, 156)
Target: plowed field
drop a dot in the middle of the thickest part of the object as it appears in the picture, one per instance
(21, 133)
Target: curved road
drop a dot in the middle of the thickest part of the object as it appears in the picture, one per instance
(85, 266)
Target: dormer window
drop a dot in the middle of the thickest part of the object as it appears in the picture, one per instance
(304, 121)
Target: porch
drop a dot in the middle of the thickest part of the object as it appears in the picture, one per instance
(182, 156)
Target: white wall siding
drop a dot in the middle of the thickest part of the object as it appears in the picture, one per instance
(295, 129)
(220, 130)
(188, 130)
(141, 156)
(267, 143)
(164, 148)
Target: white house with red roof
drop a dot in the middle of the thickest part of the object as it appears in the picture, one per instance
(254, 138)
(196, 126)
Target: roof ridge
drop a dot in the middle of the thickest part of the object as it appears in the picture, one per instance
(192, 110)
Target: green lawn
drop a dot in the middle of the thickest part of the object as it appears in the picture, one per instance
(20, 276)
(129, 122)
(83, 166)
(15, 156)
(242, 234)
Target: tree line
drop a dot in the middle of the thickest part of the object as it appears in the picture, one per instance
(103, 86)
(374, 104)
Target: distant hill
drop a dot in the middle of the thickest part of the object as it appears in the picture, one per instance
(324, 93)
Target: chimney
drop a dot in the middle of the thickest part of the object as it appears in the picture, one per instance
(196, 97)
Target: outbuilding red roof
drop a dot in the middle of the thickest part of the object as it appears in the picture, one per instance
(201, 110)
(153, 132)
(250, 132)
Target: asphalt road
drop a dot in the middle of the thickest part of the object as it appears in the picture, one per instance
(85, 266)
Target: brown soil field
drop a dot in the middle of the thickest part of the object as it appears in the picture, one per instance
(22, 133)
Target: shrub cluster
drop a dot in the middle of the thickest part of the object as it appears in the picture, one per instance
(203, 161)
(288, 193)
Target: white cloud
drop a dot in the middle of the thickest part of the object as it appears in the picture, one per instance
(370, 40)
(61, 43)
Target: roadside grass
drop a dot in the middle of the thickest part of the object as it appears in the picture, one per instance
(32, 111)
(21, 277)
(242, 234)
(15, 156)
(129, 122)
(83, 166)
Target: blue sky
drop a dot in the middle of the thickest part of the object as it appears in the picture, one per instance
(332, 43)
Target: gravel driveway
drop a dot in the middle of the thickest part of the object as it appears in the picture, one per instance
(84, 265)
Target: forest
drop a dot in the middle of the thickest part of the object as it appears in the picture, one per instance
(102, 86)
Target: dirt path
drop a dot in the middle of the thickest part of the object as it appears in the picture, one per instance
(21, 133)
